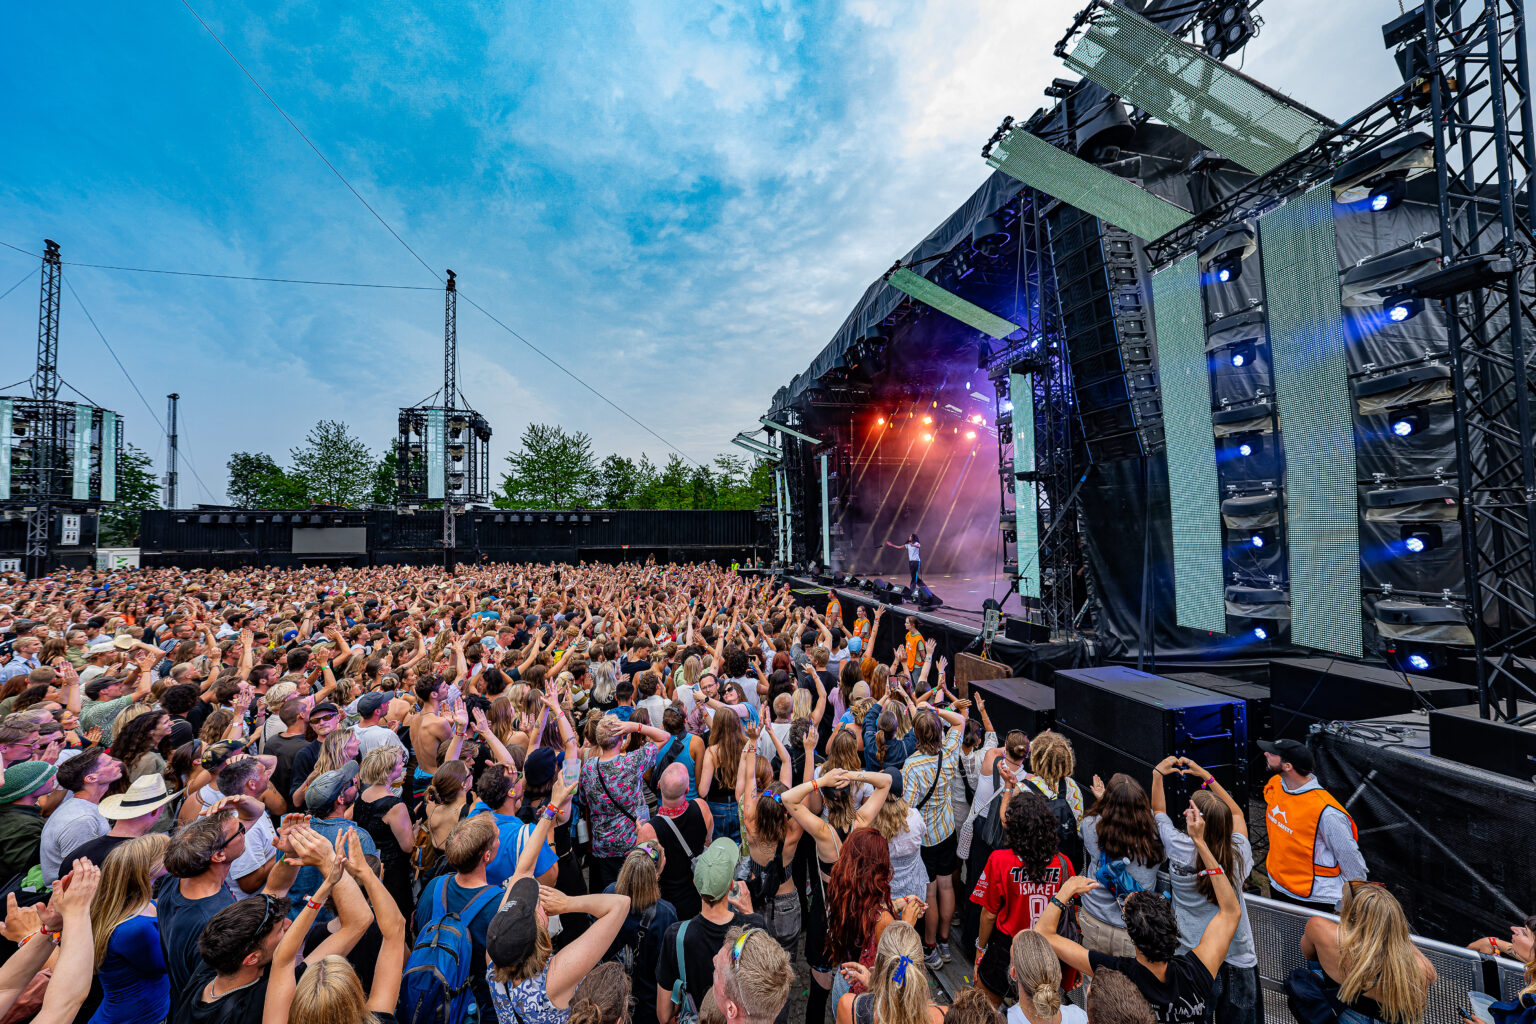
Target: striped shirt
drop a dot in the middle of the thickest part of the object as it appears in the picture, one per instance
(917, 778)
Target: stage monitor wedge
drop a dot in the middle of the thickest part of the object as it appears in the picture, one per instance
(1306, 330)
(1212, 104)
(1091, 189)
(1178, 314)
(946, 301)
(1026, 506)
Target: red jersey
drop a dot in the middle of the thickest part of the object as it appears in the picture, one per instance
(1016, 900)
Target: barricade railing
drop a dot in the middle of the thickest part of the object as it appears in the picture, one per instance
(1277, 929)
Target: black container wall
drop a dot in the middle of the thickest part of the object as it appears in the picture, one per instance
(233, 537)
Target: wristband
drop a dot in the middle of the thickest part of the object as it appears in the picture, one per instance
(816, 785)
(550, 812)
(1207, 783)
(313, 904)
(1062, 906)
(1213, 871)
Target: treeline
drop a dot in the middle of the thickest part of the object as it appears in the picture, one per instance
(551, 468)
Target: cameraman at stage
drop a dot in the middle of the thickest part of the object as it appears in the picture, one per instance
(1314, 847)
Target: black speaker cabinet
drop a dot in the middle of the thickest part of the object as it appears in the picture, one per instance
(1255, 695)
(1122, 720)
(1017, 703)
(1460, 735)
(1304, 691)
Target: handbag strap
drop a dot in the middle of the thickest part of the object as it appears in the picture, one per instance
(597, 769)
(687, 850)
(938, 768)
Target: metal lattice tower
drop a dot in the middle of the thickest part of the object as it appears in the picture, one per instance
(1478, 83)
(450, 391)
(171, 453)
(45, 385)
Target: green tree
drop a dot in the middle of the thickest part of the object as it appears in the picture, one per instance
(137, 490)
(257, 481)
(337, 466)
(385, 485)
(618, 480)
(741, 483)
(552, 468)
(667, 487)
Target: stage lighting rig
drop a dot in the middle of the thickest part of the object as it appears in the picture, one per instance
(1400, 308)
(1226, 28)
(1421, 537)
(1387, 195)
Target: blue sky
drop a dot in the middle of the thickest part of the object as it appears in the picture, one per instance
(680, 201)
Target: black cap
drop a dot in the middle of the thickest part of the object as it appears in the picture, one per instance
(541, 766)
(513, 932)
(1296, 753)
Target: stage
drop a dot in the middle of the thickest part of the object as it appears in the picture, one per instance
(962, 595)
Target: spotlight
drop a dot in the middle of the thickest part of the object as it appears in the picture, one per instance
(1418, 663)
(1414, 544)
(1402, 307)
(1257, 540)
(1260, 633)
(1006, 406)
(1238, 359)
(880, 421)
(970, 435)
(967, 385)
(1407, 426)
(1386, 195)
(1242, 355)
(927, 420)
(1245, 450)
(1421, 537)
(1228, 266)
(927, 437)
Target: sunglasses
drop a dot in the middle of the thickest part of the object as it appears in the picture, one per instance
(739, 945)
(239, 831)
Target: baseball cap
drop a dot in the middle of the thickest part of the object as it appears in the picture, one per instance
(541, 766)
(369, 703)
(1290, 750)
(325, 707)
(324, 791)
(855, 644)
(715, 869)
(512, 933)
(102, 648)
(215, 754)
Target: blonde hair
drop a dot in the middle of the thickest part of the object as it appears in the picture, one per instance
(333, 751)
(377, 764)
(639, 877)
(1037, 972)
(904, 1001)
(1376, 954)
(891, 820)
(801, 705)
(277, 693)
(125, 716)
(609, 732)
(761, 980)
(329, 992)
(125, 886)
(1051, 758)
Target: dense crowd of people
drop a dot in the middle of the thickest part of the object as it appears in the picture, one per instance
(540, 794)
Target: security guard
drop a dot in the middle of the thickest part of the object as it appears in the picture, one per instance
(1313, 842)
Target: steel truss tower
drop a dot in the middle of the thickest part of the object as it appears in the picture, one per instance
(45, 388)
(1478, 84)
(450, 394)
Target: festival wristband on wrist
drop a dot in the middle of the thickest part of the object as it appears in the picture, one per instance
(1213, 871)
(1059, 905)
(314, 904)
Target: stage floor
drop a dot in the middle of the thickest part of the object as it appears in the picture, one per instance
(962, 595)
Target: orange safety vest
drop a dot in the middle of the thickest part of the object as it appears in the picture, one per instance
(915, 651)
(1292, 820)
(834, 606)
(861, 628)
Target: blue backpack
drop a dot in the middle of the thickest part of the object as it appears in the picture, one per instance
(1115, 876)
(435, 986)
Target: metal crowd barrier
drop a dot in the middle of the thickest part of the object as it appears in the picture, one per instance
(1277, 929)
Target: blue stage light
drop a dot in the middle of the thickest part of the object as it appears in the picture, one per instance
(1414, 544)
(1401, 307)
(1403, 427)
(1257, 540)
(1224, 275)
(1245, 450)
(1238, 359)
(1379, 202)
(1418, 662)
(1260, 633)
(1398, 313)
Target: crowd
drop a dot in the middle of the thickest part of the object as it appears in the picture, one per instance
(543, 794)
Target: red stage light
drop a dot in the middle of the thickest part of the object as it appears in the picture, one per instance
(970, 435)
(927, 419)
(880, 420)
(927, 437)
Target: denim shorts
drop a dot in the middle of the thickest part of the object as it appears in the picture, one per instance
(727, 819)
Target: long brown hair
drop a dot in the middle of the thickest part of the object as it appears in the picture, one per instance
(842, 752)
(1218, 837)
(1125, 826)
(727, 741)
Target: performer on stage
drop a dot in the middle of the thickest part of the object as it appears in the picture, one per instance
(914, 556)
